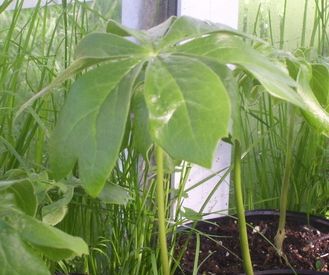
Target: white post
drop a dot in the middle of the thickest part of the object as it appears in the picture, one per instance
(225, 12)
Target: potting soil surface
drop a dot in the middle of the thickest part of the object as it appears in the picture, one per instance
(305, 248)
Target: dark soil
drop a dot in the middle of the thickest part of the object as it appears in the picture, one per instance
(306, 247)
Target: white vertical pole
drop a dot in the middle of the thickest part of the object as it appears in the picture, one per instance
(225, 12)
(130, 13)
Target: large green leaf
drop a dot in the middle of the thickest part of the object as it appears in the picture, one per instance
(142, 139)
(231, 85)
(52, 242)
(16, 257)
(185, 28)
(91, 126)
(105, 46)
(93, 49)
(189, 108)
(314, 112)
(228, 49)
(116, 28)
(320, 84)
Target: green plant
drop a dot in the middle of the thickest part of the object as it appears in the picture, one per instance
(25, 240)
(287, 152)
(180, 70)
(34, 44)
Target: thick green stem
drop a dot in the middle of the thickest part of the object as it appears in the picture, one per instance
(247, 265)
(161, 212)
(280, 234)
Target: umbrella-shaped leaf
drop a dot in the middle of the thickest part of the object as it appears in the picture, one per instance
(104, 46)
(93, 49)
(229, 49)
(92, 124)
(189, 108)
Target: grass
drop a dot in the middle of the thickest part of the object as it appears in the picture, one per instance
(38, 43)
(267, 120)
(35, 45)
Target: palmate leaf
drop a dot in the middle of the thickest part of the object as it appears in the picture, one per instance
(92, 123)
(96, 47)
(93, 49)
(188, 108)
(230, 49)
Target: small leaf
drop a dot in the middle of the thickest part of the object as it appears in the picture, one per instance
(54, 213)
(91, 125)
(114, 194)
(189, 108)
(318, 265)
(55, 216)
(192, 215)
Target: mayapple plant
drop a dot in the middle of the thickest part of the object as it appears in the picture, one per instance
(25, 241)
(187, 97)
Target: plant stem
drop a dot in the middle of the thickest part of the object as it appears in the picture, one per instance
(280, 234)
(161, 212)
(247, 265)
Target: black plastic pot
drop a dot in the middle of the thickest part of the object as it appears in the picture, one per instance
(289, 272)
(270, 215)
